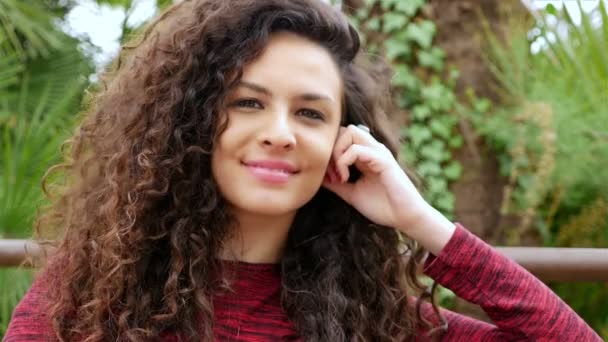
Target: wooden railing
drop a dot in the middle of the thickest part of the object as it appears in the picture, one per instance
(548, 264)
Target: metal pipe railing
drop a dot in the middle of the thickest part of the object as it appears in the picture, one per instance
(562, 264)
(13, 252)
(548, 264)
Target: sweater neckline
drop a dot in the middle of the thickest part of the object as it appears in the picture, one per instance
(249, 267)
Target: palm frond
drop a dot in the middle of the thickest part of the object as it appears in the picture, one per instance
(10, 69)
(27, 30)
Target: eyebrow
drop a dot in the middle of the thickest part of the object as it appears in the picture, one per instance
(306, 96)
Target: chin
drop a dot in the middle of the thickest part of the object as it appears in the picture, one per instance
(272, 202)
(271, 212)
(269, 207)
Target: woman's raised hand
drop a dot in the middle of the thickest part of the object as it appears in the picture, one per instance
(383, 193)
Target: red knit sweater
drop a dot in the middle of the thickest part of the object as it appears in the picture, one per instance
(522, 307)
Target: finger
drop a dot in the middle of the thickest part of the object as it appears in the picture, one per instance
(356, 154)
(349, 135)
(343, 190)
(331, 172)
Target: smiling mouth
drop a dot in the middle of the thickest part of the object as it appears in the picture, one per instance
(272, 165)
(274, 172)
(268, 170)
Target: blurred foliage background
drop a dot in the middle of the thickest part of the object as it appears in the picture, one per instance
(502, 111)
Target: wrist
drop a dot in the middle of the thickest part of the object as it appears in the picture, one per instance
(429, 228)
(415, 217)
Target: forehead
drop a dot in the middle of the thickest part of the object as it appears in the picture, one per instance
(293, 63)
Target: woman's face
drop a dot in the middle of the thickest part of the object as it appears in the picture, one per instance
(283, 119)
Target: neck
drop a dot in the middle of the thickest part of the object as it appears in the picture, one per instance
(258, 238)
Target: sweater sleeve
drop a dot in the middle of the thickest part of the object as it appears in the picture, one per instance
(29, 321)
(520, 305)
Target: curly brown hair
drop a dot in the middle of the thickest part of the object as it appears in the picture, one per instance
(141, 218)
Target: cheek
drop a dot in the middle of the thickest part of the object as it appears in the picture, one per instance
(223, 150)
(229, 141)
(320, 151)
(216, 167)
(225, 173)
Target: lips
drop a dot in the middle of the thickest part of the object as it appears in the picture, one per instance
(271, 171)
(273, 165)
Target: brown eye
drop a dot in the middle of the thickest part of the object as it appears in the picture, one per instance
(312, 114)
(248, 103)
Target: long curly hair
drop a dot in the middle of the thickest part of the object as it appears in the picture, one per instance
(141, 221)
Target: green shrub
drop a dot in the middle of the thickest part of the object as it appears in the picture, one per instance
(551, 137)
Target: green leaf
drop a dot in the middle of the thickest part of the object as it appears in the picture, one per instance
(482, 105)
(445, 203)
(27, 30)
(162, 4)
(432, 58)
(455, 141)
(551, 9)
(453, 171)
(10, 70)
(421, 112)
(441, 128)
(373, 24)
(422, 33)
(404, 78)
(427, 169)
(418, 134)
(438, 96)
(362, 13)
(392, 21)
(434, 151)
(408, 155)
(409, 7)
(396, 49)
(437, 185)
(386, 5)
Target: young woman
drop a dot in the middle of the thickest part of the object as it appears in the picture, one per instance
(235, 181)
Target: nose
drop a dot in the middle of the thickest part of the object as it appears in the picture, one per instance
(277, 133)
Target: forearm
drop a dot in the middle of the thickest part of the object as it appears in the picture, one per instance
(430, 229)
(519, 304)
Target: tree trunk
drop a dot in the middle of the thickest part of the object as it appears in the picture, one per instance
(460, 34)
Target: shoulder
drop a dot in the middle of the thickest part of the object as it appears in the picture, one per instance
(30, 320)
